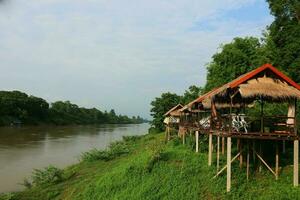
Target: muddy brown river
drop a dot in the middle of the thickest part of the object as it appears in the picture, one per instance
(23, 149)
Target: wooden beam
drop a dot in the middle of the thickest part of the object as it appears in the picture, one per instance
(296, 163)
(225, 167)
(228, 184)
(265, 163)
(209, 149)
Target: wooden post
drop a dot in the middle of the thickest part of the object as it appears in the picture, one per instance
(277, 162)
(296, 162)
(261, 115)
(209, 149)
(183, 138)
(228, 185)
(283, 146)
(253, 152)
(248, 159)
(260, 153)
(169, 136)
(218, 153)
(241, 155)
(197, 141)
(296, 150)
(223, 145)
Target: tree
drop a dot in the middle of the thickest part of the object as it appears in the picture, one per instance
(234, 59)
(284, 34)
(160, 106)
(191, 94)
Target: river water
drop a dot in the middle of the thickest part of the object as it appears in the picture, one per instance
(23, 149)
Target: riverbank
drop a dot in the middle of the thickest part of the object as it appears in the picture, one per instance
(151, 169)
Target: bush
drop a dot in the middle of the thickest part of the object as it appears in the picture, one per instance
(115, 149)
(154, 130)
(132, 138)
(48, 175)
(157, 154)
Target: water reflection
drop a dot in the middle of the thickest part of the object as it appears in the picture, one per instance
(25, 148)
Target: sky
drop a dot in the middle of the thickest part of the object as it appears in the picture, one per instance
(114, 53)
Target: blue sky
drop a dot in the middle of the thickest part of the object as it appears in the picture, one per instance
(114, 53)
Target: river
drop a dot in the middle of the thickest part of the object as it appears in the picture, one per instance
(23, 149)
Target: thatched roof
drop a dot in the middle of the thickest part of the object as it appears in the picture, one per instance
(190, 105)
(174, 111)
(265, 81)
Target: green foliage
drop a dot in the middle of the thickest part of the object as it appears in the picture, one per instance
(156, 155)
(156, 170)
(191, 94)
(48, 175)
(115, 149)
(160, 106)
(236, 58)
(166, 101)
(284, 34)
(19, 108)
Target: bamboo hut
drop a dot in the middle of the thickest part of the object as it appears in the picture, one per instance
(172, 118)
(261, 86)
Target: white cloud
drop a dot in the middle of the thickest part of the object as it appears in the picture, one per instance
(116, 54)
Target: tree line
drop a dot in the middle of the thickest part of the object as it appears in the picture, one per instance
(278, 45)
(19, 108)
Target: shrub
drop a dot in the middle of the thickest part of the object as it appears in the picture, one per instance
(153, 130)
(157, 154)
(115, 149)
(48, 175)
(132, 138)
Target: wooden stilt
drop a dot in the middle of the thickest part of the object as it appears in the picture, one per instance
(277, 161)
(248, 159)
(228, 185)
(296, 162)
(169, 136)
(197, 141)
(283, 146)
(183, 138)
(223, 145)
(260, 153)
(253, 153)
(225, 167)
(241, 155)
(209, 149)
(218, 153)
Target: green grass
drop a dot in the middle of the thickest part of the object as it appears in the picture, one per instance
(154, 170)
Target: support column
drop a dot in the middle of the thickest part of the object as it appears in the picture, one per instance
(283, 146)
(209, 149)
(228, 185)
(218, 153)
(260, 153)
(183, 138)
(197, 141)
(241, 154)
(296, 162)
(277, 161)
(248, 159)
(223, 145)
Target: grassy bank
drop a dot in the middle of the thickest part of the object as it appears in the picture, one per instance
(147, 168)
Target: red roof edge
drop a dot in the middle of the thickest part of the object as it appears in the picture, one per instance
(260, 69)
